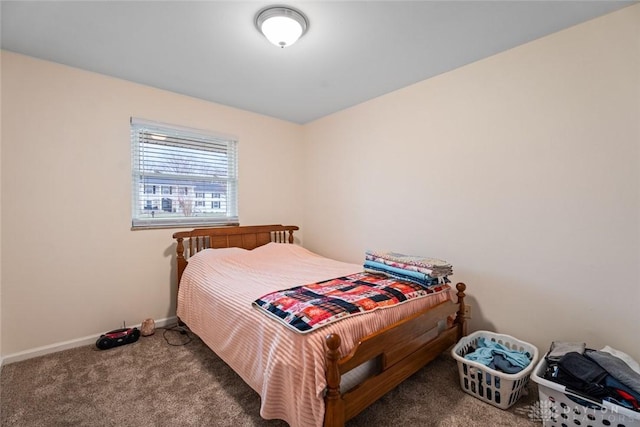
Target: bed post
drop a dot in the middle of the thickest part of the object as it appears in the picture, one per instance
(291, 235)
(182, 262)
(333, 403)
(461, 321)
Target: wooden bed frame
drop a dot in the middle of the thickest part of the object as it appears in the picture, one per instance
(401, 349)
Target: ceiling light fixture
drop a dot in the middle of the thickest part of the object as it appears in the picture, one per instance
(281, 25)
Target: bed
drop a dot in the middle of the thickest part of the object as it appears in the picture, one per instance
(321, 378)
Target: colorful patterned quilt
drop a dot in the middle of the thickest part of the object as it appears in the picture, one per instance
(306, 308)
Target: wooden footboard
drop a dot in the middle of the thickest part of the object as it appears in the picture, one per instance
(403, 348)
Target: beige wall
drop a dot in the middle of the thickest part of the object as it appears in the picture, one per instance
(0, 211)
(71, 266)
(521, 169)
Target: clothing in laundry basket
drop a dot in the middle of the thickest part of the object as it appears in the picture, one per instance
(560, 348)
(617, 368)
(497, 356)
(630, 361)
(581, 373)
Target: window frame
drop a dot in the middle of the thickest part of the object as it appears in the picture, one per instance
(153, 144)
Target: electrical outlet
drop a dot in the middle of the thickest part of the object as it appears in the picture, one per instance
(467, 311)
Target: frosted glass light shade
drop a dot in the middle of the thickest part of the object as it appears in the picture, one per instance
(282, 26)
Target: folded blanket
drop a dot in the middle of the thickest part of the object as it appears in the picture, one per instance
(402, 274)
(432, 266)
(399, 264)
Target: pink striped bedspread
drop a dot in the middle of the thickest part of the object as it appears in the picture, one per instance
(284, 367)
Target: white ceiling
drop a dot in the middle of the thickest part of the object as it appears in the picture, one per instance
(354, 51)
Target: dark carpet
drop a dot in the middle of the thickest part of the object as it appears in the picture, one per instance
(154, 383)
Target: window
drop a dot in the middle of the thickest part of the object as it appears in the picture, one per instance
(182, 164)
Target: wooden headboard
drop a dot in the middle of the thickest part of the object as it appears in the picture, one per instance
(247, 237)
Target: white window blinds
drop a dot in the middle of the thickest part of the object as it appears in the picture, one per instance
(182, 177)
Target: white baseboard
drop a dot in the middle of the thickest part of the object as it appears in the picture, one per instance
(78, 342)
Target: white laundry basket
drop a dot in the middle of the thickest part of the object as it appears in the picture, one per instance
(559, 407)
(495, 387)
